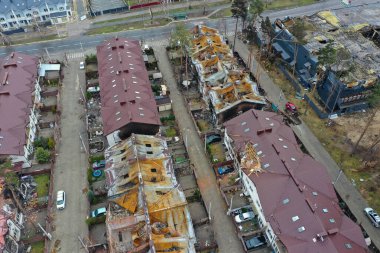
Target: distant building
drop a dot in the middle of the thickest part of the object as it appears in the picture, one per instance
(291, 193)
(16, 14)
(344, 85)
(19, 97)
(128, 103)
(100, 7)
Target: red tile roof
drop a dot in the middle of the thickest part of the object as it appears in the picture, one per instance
(125, 88)
(18, 74)
(294, 184)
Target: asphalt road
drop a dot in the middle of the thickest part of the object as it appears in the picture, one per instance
(159, 33)
(70, 173)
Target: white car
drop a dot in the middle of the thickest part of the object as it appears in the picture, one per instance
(373, 216)
(244, 217)
(81, 65)
(61, 200)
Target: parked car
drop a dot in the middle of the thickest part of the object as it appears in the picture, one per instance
(255, 242)
(61, 200)
(222, 170)
(213, 138)
(373, 216)
(244, 217)
(81, 65)
(99, 164)
(98, 212)
(93, 89)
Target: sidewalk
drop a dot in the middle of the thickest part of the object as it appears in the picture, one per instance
(225, 232)
(343, 186)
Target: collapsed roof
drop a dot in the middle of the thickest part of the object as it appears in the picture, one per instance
(149, 210)
(358, 57)
(295, 191)
(226, 83)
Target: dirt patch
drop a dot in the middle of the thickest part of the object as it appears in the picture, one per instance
(355, 123)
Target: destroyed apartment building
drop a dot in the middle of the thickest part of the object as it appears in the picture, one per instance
(338, 43)
(148, 210)
(225, 86)
(290, 192)
(127, 101)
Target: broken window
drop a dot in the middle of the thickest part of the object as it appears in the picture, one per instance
(120, 236)
(148, 145)
(149, 152)
(126, 175)
(123, 159)
(153, 170)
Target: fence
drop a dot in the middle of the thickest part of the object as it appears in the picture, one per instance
(289, 77)
(320, 114)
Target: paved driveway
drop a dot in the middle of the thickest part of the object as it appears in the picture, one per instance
(224, 229)
(71, 164)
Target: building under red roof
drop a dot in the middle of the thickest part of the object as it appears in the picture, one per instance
(295, 192)
(128, 103)
(18, 75)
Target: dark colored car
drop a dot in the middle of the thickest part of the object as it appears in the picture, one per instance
(213, 138)
(225, 170)
(99, 164)
(255, 242)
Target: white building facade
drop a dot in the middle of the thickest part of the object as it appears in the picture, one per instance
(16, 14)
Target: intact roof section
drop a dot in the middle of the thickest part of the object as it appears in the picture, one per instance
(125, 88)
(295, 191)
(18, 73)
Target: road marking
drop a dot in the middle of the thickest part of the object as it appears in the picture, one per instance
(75, 55)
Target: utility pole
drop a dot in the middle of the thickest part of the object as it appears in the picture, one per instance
(48, 235)
(47, 52)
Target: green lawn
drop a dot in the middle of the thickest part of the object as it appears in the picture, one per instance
(42, 184)
(216, 152)
(130, 26)
(38, 247)
(281, 4)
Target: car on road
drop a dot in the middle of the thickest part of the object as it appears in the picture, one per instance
(222, 170)
(373, 216)
(244, 217)
(255, 242)
(81, 65)
(99, 164)
(98, 212)
(61, 200)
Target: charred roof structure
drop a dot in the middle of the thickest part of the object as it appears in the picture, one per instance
(19, 96)
(128, 104)
(352, 67)
(148, 210)
(291, 193)
(224, 84)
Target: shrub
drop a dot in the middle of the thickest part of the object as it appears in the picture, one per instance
(41, 142)
(89, 175)
(42, 155)
(50, 143)
(95, 220)
(171, 132)
(95, 158)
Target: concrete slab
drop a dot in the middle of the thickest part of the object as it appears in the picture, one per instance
(197, 211)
